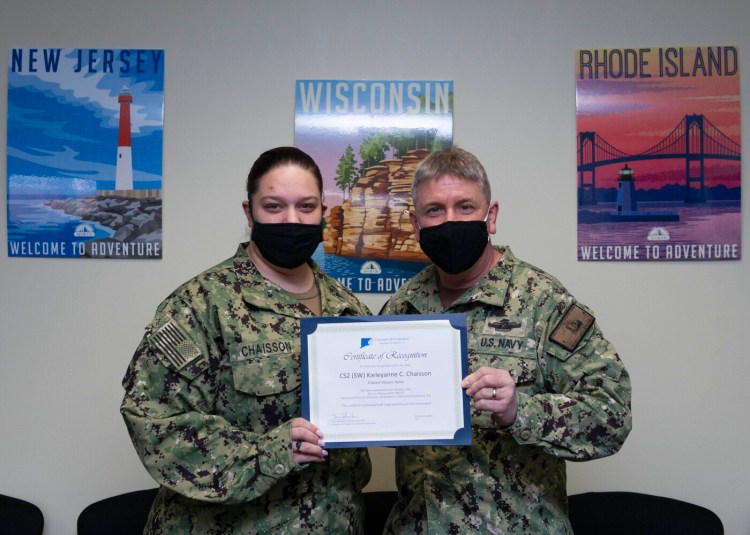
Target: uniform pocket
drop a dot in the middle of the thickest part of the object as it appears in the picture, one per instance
(267, 389)
(523, 368)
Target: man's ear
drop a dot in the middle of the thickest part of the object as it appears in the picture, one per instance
(492, 217)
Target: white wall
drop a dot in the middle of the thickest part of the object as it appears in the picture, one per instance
(69, 327)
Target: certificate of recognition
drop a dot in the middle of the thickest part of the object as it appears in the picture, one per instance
(386, 380)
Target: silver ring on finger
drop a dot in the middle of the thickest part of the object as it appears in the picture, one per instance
(494, 393)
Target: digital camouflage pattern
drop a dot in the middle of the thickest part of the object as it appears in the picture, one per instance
(210, 395)
(573, 405)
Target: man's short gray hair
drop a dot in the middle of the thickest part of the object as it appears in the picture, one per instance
(452, 161)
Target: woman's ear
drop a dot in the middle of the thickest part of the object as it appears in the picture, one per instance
(248, 212)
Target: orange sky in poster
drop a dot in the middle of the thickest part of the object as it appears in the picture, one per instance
(633, 98)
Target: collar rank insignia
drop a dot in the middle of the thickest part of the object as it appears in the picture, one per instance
(571, 328)
(174, 344)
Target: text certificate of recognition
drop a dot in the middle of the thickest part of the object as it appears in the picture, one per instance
(386, 380)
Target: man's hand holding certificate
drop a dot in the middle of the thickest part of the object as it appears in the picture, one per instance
(386, 381)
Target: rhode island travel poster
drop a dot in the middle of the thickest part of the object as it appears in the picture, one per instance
(658, 154)
(368, 136)
(84, 159)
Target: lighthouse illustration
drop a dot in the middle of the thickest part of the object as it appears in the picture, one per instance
(627, 205)
(124, 172)
(626, 196)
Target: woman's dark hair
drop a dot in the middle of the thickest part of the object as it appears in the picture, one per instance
(278, 157)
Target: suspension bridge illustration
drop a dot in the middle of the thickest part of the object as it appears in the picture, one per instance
(695, 139)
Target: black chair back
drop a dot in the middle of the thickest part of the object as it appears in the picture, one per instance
(628, 513)
(377, 508)
(124, 514)
(19, 517)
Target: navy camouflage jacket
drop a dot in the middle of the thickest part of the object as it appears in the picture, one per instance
(209, 399)
(574, 405)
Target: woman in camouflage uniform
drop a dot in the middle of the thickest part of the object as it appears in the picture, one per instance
(212, 398)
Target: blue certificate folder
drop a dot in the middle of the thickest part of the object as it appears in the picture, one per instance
(386, 380)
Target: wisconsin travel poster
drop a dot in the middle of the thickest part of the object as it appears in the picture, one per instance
(658, 154)
(368, 136)
(84, 152)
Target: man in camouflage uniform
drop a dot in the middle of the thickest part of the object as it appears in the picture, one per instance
(546, 386)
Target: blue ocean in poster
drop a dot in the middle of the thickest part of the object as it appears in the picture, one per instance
(37, 230)
(78, 121)
(349, 271)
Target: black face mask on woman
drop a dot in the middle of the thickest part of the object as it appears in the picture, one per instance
(287, 245)
(454, 246)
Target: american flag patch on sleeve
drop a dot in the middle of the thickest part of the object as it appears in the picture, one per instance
(174, 344)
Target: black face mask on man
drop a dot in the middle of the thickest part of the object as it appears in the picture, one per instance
(287, 245)
(455, 246)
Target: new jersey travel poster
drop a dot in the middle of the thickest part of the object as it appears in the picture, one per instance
(368, 136)
(658, 154)
(84, 160)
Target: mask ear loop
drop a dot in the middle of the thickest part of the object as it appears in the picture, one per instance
(250, 209)
(485, 221)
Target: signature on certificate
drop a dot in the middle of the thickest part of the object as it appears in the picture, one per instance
(343, 416)
(347, 418)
